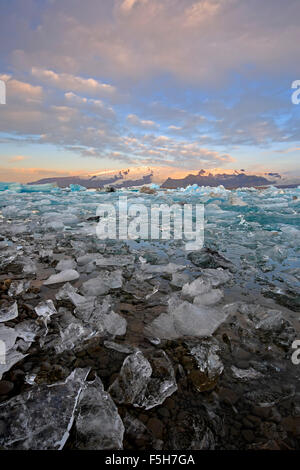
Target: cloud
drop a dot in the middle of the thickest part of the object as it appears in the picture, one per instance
(66, 81)
(19, 90)
(136, 121)
(202, 41)
(18, 158)
(137, 80)
(127, 5)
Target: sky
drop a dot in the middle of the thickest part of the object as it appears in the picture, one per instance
(111, 84)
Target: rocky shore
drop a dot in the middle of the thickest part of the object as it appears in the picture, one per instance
(116, 345)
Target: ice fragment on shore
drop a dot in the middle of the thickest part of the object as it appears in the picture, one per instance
(68, 292)
(8, 336)
(32, 425)
(65, 264)
(103, 283)
(9, 313)
(179, 279)
(185, 319)
(17, 287)
(11, 358)
(191, 320)
(45, 309)
(27, 330)
(217, 277)
(197, 287)
(113, 324)
(71, 336)
(132, 380)
(117, 260)
(162, 268)
(63, 276)
(98, 425)
(209, 298)
(245, 374)
(209, 364)
(142, 383)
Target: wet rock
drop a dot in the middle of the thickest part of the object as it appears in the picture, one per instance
(208, 258)
(156, 427)
(5, 387)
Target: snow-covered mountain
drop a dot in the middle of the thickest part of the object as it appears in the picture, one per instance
(168, 177)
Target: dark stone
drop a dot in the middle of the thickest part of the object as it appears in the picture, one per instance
(3, 428)
(248, 435)
(5, 387)
(228, 395)
(156, 427)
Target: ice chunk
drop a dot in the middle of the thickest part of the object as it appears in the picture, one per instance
(46, 255)
(9, 313)
(77, 187)
(11, 358)
(113, 323)
(45, 309)
(117, 260)
(162, 383)
(8, 336)
(234, 200)
(185, 319)
(246, 374)
(28, 330)
(66, 264)
(63, 276)
(209, 298)
(197, 287)
(162, 327)
(190, 320)
(217, 277)
(18, 287)
(71, 336)
(179, 279)
(142, 383)
(32, 425)
(162, 268)
(103, 283)
(132, 380)
(68, 292)
(98, 425)
(209, 365)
